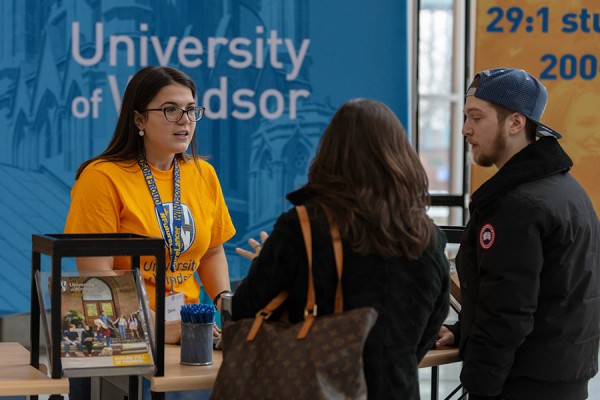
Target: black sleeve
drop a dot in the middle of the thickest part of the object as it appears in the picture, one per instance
(442, 304)
(455, 329)
(273, 270)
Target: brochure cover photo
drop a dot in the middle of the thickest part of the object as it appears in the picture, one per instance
(104, 328)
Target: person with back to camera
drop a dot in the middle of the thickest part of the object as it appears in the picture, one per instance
(373, 184)
(146, 183)
(104, 318)
(529, 260)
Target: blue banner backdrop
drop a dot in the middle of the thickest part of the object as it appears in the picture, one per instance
(270, 73)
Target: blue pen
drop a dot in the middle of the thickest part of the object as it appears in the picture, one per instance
(198, 313)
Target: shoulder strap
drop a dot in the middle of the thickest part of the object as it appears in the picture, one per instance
(265, 313)
(310, 310)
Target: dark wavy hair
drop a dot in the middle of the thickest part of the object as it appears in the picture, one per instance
(372, 182)
(126, 144)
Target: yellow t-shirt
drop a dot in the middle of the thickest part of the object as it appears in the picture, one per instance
(113, 197)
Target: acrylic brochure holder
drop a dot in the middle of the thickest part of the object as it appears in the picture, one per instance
(93, 309)
(59, 246)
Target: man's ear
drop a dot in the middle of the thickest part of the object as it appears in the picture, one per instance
(517, 122)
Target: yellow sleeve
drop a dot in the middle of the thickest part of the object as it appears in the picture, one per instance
(95, 204)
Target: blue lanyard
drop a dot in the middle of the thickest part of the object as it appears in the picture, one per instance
(172, 237)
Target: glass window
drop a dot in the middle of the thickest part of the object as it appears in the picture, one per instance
(440, 86)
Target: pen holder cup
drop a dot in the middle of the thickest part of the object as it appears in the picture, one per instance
(196, 344)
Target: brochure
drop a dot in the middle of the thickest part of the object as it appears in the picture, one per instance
(105, 329)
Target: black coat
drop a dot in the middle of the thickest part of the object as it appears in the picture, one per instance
(411, 297)
(529, 267)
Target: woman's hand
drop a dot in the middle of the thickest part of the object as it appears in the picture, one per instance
(256, 247)
(446, 338)
(216, 331)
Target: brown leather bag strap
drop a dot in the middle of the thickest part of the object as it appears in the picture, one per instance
(265, 313)
(310, 310)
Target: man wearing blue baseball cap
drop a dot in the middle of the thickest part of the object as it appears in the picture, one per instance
(529, 260)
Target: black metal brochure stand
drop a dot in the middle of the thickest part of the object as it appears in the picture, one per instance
(58, 246)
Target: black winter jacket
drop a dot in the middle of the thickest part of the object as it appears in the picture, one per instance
(411, 297)
(529, 267)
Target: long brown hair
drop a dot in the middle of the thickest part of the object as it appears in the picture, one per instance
(126, 144)
(371, 180)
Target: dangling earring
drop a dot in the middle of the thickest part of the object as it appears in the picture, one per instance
(141, 132)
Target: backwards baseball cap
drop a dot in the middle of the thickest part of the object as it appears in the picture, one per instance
(516, 90)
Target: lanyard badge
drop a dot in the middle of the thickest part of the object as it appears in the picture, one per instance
(172, 237)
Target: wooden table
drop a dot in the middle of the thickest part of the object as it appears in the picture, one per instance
(433, 359)
(184, 377)
(18, 378)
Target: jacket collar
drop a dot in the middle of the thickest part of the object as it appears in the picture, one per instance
(299, 196)
(541, 158)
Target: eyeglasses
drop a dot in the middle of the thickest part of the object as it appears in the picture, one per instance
(174, 114)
